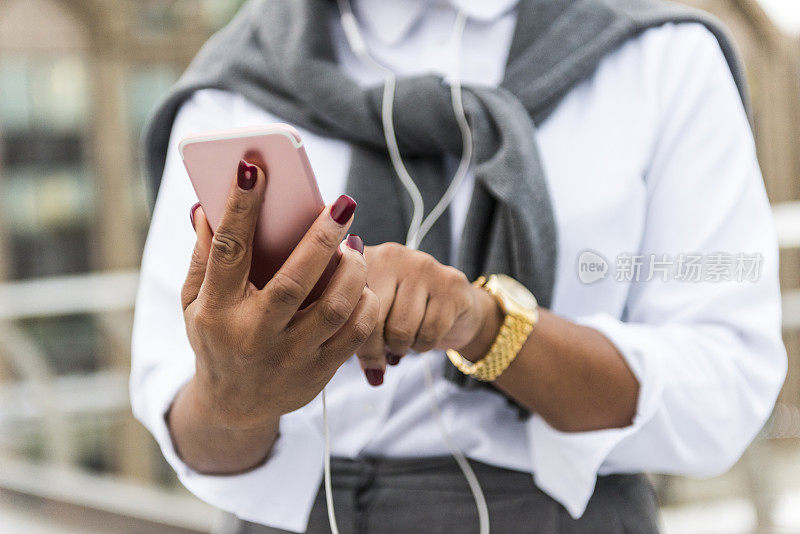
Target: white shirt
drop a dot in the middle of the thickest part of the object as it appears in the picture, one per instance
(652, 154)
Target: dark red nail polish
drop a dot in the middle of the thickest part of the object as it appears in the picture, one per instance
(355, 242)
(393, 359)
(343, 209)
(191, 213)
(247, 175)
(374, 376)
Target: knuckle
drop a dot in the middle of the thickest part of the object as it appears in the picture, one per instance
(391, 249)
(426, 261)
(249, 346)
(373, 345)
(450, 281)
(428, 337)
(324, 240)
(419, 265)
(455, 276)
(424, 257)
(334, 311)
(362, 330)
(365, 326)
(399, 334)
(431, 333)
(186, 296)
(227, 248)
(202, 318)
(295, 336)
(240, 205)
(286, 289)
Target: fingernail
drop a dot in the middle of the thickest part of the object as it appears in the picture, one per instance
(191, 213)
(343, 209)
(247, 175)
(355, 242)
(374, 376)
(393, 359)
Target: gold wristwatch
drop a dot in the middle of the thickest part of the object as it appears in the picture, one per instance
(522, 314)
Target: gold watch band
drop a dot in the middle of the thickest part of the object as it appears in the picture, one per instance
(513, 333)
(505, 348)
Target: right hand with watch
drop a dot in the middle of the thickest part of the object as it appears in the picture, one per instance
(426, 305)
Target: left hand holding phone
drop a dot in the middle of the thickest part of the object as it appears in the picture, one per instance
(258, 355)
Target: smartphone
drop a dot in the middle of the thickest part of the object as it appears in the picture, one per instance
(292, 200)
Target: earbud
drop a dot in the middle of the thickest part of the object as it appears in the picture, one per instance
(353, 34)
(351, 30)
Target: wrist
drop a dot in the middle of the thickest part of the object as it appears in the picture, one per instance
(209, 447)
(491, 319)
(216, 410)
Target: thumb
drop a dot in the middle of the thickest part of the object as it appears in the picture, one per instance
(202, 248)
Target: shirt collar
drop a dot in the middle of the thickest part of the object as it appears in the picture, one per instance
(391, 20)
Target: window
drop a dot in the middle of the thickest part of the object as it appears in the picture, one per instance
(46, 187)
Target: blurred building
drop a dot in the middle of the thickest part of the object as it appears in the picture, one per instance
(77, 79)
(772, 61)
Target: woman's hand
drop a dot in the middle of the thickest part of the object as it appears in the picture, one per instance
(569, 374)
(424, 305)
(257, 355)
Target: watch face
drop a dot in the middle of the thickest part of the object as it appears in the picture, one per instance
(516, 291)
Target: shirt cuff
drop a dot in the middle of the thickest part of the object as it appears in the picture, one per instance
(279, 493)
(566, 464)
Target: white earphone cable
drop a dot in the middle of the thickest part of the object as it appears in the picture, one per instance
(466, 135)
(327, 467)
(418, 228)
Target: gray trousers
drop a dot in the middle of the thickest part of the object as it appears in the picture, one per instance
(431, 496)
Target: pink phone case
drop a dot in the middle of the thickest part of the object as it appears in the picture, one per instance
(292, 200)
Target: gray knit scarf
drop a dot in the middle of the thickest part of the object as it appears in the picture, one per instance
(278, 54)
